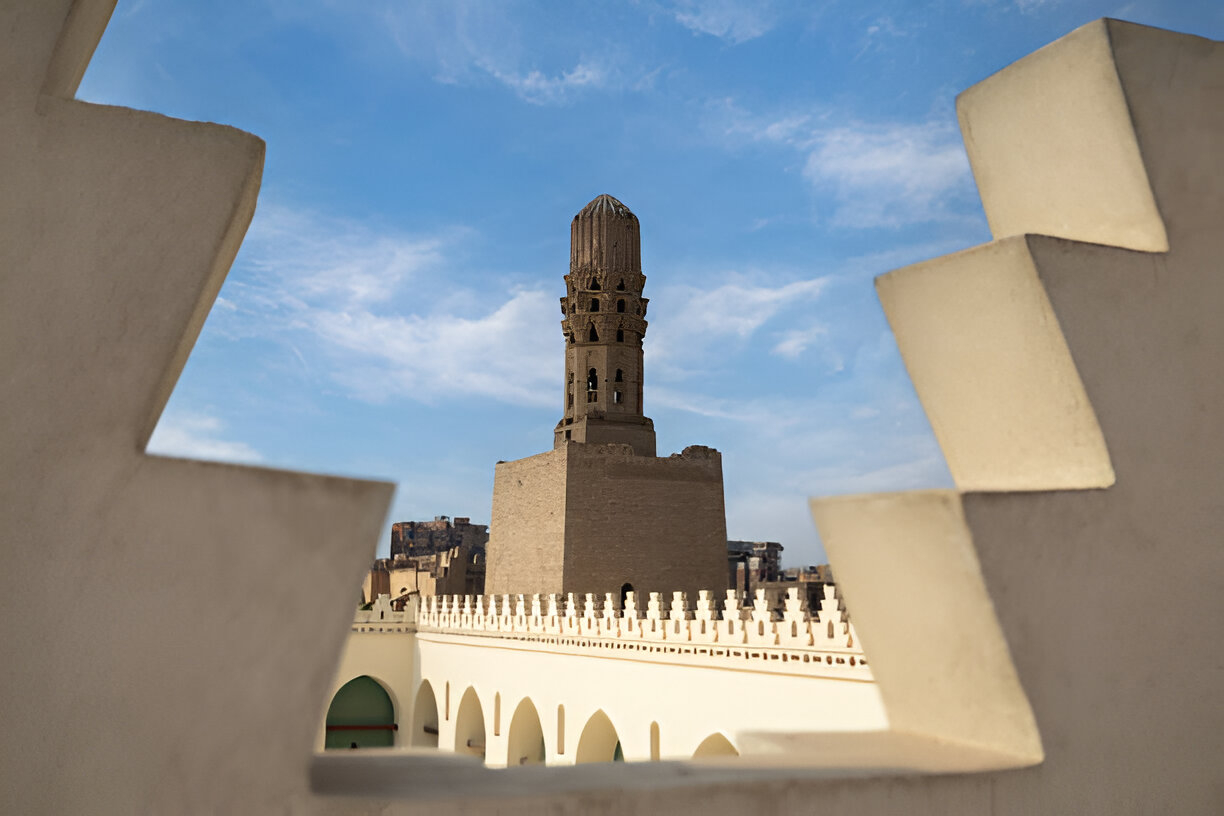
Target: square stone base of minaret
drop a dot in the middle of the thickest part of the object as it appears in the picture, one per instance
(595, 518)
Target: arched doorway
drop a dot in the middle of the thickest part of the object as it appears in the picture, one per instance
(470, 725)
(361, 715)
(599, 742)
(525, 742)
(425, 718)
(715, 745)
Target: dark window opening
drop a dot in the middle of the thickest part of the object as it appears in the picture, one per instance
(571, 401)
(592, 380)
(620, 335)
(568, 434)
(619, 376)
(594, 304)
(620, 287)
(571, 377)
(616, 397)
(594, 335)
(594, 284)
(620, 305)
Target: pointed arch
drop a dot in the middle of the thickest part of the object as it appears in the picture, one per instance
(594, 336)
(470, 725)
(525, 739)
(599, 741)
(361, 715)
(715, 745)
(424, 718)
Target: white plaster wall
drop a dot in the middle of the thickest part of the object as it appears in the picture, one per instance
(387, 657)
(689, 702)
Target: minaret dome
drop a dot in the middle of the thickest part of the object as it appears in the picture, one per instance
(603, 322)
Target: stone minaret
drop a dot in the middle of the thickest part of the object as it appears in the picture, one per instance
(605, 321)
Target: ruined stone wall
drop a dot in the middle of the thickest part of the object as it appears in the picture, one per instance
(655, 523)
(587, 518)
(528, 524)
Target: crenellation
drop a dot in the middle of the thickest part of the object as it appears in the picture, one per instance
(792, 635)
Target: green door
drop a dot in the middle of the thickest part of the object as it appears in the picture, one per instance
(360, 716)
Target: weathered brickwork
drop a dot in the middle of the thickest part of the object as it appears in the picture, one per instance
(600, 513)
(653, 523)
(527, 536)
(588, 518)
(604, 322)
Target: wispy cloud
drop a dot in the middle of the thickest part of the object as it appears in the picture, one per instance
(380, 313)
(795, 341)
(466, 43)
(734, 21)
(736, 309)
(889, 175)
(540, 89)
(198, 436)
(881, 174)
(508, 354)
(338, 260)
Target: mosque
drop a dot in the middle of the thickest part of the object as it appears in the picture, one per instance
(1038, 639)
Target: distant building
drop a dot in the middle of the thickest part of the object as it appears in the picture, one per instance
(430, 558)
(601, 513)
(414, 538)
(752, 563)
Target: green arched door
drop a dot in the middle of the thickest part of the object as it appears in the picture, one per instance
(361, 715)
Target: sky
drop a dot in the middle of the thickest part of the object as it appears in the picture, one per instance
(393, 311)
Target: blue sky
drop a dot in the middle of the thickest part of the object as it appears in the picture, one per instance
(393, 312)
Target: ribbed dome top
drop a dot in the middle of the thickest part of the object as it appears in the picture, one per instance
(606, 204)
(604, 237)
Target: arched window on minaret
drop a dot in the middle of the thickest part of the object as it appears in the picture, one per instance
(594, 334)
(620, 305)
(594, 284)
(619, 376)
(620, 287)
(620, 335)
(594, 304)
(592, 380)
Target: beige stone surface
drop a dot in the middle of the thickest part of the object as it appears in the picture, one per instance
(203, 694)
(993, 371)
(585, 518)
(1053, 149)
(178, 679)
(527, 527)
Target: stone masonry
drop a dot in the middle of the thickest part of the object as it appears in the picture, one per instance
(600, 512)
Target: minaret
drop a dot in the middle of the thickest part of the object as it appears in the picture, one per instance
(604, 323)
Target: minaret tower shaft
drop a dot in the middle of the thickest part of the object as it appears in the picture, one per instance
(604, 323)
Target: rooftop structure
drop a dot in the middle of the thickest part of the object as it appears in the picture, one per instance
(1070, 377)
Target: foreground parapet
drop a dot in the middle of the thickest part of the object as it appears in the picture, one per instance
(1071, 379)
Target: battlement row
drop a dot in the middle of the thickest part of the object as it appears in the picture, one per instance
(792, 626)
